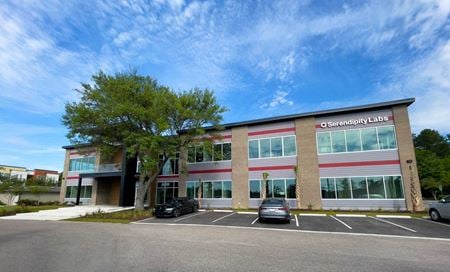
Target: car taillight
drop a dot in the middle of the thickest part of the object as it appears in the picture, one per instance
(282, 209)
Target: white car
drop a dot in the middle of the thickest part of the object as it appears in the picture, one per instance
(440, 210)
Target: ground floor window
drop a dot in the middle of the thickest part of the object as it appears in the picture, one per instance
(371, 187)
(166, 191)
(279, 188)
(217, 189)
(86, 191)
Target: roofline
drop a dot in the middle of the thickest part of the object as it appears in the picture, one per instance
(12, 166)
(406, 101)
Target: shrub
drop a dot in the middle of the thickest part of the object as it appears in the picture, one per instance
(2, 203)
(27, 202)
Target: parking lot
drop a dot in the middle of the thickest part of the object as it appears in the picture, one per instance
(321, 223)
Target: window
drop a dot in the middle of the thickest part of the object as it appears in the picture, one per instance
(369, 139)
(276, 149)
(207, 189)
(343, 188)
(338, 141)
(85, 192)
(255, 189)
(208, 152)
(171, 166)
(217, 189)
(264, 146)
(211, 189)
(290, 188)
(327, 188)
(82, 164)
(226, 151)
(289, 146)
(253, 149)
(227, 193)
(353, 140)
(192, 189)
(374, 187)
(394, 188)
(166, 191)
(386, 138)
(272, 147)
(359, 187)
(279, 188)
(324, 142)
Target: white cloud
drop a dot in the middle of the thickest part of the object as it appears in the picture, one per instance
(278, 99)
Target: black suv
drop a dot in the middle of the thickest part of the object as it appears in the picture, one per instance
(177, 207)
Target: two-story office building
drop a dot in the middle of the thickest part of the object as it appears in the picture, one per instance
(349, 158)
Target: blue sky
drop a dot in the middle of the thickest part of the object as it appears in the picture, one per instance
(262, 58)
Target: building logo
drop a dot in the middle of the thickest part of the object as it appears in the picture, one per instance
(355, 122)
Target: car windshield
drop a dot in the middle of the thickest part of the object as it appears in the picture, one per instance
(273, 201)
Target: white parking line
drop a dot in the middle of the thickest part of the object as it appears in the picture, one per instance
(295, 230)
(223, 217)
(182, 218)
(340, 221)
(393, 216)
(392, 223)
(312, 214)
(247, 212)
(254, 221)
(296, 220)
(434, 222)
(350, 215)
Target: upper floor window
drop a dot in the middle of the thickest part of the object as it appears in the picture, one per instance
(82, 164)
(171, 166)
(353, 140)
(207, 153)
(272, 147)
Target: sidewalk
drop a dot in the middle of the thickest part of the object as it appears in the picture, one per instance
(64, 213)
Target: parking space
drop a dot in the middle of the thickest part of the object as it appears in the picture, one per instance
(341, 224)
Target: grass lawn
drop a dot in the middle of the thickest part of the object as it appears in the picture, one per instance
(123, 217)
(12, 210)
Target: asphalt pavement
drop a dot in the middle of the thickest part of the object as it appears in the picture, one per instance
(70, 246)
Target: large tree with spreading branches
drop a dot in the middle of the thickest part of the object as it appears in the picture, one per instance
(147, 119)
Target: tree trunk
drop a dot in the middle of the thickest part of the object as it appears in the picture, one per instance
(143, 187)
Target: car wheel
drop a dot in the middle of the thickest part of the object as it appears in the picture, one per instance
(195, 209)
(434, 215)
(176, 213)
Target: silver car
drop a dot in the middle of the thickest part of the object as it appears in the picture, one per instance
(274, 208)
(440, 210)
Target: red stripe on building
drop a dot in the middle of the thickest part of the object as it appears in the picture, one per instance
(270, 131)
(264, 168)
(227, 170)
(169, 176)
(360, 163)
(72, 177)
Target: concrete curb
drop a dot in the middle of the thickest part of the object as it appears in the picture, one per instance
(393, 216)
(312, 214)
(226, 211)
(350, 215)
(247, 212)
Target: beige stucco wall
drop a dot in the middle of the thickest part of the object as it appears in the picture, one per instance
(406, 152)
(64, 177)
(307, 163)
(239, 163)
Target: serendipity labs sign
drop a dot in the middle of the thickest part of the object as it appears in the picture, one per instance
(355, 122)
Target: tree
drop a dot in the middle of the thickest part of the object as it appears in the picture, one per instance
(265, 177)
(431, 140)
(11, 186)
(147, 119)
(39, 186)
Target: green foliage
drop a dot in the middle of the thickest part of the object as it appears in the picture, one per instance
(11, 187)
(148, 119)
(115, 217)
(12, 210)
(433, 162)
(33, 202)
